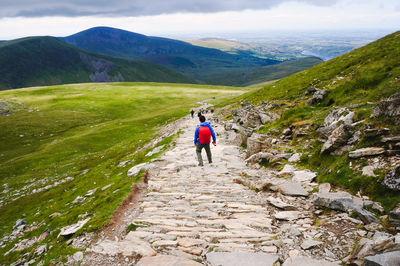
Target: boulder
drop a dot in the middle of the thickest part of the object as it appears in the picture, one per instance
(288, 170)
(303, 176)
(287, 215)
(388, 107)
(18, 223)
(294, 158)
(375, 132)
(278, 203)
(334, 119)
(324, 188)
(343, 201)
(254, 145)
(384, 259)
(318, 96)
(71, 229)
(241, 259)
(370, 151)
(137, 168)
(338, 138)
(380, 243)
(292, 189)
(394, 215)
(392, 178)
(268, 117)
(251, 119)
(368, 170)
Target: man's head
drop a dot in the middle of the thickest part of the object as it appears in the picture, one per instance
(202, 118)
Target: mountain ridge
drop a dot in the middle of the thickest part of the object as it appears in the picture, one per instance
(181, 56)
(46, 60)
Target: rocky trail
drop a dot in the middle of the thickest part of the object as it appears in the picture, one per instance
(231, 212)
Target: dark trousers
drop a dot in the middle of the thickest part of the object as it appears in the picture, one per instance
(208, 151)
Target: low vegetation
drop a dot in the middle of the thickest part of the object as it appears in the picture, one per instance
(77, 135)
(357, 80)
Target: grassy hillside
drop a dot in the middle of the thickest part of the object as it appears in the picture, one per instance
(191, 60)
(261, 74)
(357, 80)
(77, 135)
(37, 61)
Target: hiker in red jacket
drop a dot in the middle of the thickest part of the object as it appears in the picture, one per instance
(202, 139)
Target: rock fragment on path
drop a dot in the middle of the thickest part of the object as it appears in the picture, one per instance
(241, 259)
(310, 243)
(277, 202)
(306, 261)
(288, 215)
(166, 260)
(292, 189)
(303, 176)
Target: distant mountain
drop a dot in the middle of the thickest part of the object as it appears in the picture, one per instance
(37, 61)
(181, 56)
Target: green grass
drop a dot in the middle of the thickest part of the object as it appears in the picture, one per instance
(364, 77)
(81, 131)
(250, 76)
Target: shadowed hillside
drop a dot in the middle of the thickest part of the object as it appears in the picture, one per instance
(181, 56)
(39, 61)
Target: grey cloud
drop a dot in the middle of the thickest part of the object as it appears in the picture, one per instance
(71, 8)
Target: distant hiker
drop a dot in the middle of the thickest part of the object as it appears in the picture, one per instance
(192, 113)
(212, 110)
(199, 114)
(202, 139)
(206, 111)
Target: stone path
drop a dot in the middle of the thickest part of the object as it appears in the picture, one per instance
(195, 215)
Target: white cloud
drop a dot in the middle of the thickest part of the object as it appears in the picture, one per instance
(345, 14)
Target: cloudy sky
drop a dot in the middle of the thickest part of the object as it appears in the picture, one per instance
(20, 18)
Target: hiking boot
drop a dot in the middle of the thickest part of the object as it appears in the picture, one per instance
(200, 164)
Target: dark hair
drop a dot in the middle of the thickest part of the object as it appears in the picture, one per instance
(202, 118)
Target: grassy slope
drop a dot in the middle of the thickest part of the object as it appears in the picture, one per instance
(39, 61)
(80, 127)
(370, 73)
(246, 77)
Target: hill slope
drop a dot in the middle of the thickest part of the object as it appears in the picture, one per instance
(342, 94)
(46, 60)
(181, 56)
(246, 77)
(73, 138)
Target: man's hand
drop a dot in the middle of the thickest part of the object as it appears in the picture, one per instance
(214, 143)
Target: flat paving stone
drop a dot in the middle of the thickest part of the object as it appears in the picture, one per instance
(241, 259)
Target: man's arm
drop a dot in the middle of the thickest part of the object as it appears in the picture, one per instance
(196, 135)
(213, 134)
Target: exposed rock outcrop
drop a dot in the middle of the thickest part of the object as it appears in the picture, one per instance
(318, 96)
(335, 118)
(345, 202)
(388, 107)
(338, 137)
(370, 151)
(392, 178)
